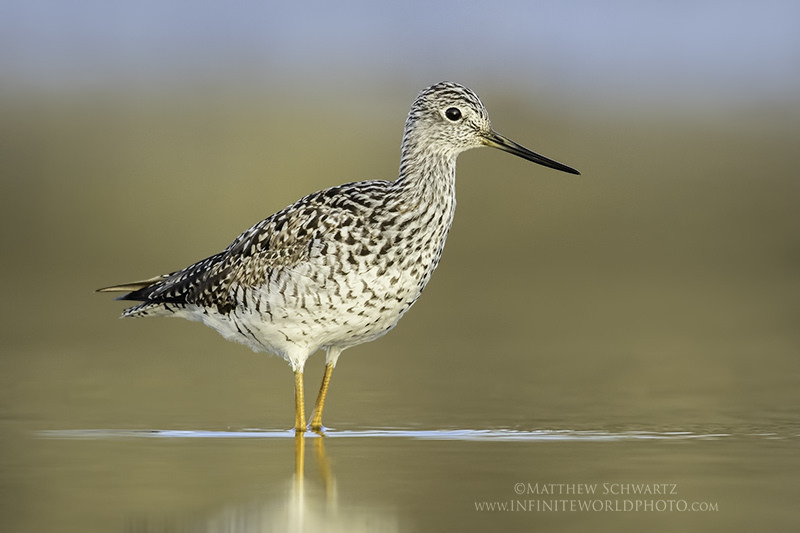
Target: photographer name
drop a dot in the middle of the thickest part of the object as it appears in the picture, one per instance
(606, 488)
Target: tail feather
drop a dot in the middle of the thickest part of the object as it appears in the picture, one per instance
(133, 285)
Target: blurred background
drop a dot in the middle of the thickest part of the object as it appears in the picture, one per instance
(657, 291)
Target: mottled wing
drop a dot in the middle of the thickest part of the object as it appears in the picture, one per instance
(282, 240)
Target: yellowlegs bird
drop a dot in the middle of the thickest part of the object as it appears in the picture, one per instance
(341, 266)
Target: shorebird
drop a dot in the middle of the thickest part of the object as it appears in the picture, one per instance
(341, 266)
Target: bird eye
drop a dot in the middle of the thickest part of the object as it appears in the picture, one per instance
(453, 113)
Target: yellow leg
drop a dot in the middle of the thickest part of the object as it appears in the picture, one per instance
(299, 403)
(316, 420)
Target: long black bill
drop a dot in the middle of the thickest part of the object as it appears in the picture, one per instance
(495, 140)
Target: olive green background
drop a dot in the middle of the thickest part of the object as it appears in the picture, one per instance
(635, 324)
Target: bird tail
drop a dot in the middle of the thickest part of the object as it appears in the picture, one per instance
(139, 290)
(133, 286)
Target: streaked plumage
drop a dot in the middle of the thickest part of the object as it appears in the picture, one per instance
(341, 266)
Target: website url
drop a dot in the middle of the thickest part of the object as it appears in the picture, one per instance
(596, 506)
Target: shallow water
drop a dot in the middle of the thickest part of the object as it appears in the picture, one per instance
(79, 454)
(405, 480)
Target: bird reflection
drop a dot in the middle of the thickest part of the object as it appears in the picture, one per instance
(308, 505)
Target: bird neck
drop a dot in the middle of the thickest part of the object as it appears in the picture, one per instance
(426, 175)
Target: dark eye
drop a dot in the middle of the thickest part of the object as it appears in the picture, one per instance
(453, 113)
